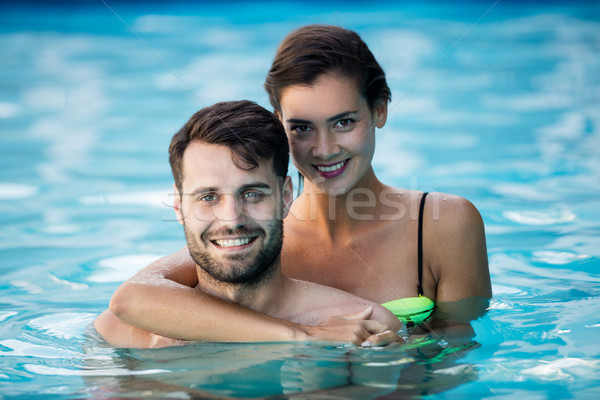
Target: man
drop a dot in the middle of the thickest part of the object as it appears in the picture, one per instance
(232, 192)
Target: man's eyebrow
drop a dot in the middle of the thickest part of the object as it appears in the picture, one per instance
(210, 189)
(343, 115)
(202, 189)
(256, 185)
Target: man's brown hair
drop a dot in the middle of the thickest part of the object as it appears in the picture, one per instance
(251, 132)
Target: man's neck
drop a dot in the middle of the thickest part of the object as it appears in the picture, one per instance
(259, 295)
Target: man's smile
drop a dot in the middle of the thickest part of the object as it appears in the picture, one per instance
(234, 243)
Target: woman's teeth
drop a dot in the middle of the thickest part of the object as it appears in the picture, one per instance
(331, 168)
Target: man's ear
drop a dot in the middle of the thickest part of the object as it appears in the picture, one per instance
(177, 204)
(380, 113)
(287, 196)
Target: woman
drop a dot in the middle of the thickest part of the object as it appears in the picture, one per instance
(402, 248)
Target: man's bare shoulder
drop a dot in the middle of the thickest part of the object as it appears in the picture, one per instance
(315, 303)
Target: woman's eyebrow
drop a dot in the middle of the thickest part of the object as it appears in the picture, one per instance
(343, 115)
(298, 121)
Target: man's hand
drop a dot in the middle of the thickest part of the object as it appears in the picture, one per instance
(356, 328)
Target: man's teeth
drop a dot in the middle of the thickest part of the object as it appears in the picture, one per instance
(232, 242)
(331, 168)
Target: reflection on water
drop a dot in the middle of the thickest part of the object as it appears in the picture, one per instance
(425, 365)
(52, 347)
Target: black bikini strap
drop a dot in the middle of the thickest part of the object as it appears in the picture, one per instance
(420, 244)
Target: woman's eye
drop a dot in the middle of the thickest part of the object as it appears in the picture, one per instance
(300, 129)
(345, 123)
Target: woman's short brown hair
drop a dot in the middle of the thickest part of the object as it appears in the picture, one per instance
(315, 50)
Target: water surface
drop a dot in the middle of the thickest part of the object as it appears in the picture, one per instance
(496, 102)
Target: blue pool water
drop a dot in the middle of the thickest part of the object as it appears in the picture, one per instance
(494, 101)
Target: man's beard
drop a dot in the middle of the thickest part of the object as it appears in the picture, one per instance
(241, 269)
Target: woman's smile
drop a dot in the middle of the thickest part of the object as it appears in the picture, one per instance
(332, 170)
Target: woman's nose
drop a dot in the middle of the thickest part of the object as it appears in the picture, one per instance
(325, 146)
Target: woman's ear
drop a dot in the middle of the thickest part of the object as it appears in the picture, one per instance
(380, 113)
(287, 196)
(177, 204)
(278, 115)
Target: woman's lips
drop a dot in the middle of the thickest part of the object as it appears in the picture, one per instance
(331, 170)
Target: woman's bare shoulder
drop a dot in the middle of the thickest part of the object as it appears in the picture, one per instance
(451, 213)
(455, 247)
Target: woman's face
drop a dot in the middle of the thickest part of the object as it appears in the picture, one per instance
(330, 128)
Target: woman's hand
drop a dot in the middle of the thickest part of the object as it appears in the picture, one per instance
(356, 328)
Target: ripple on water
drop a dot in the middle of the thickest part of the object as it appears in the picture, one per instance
(64, 326)
(157, 198)
(7, 314)
(15, 347)
(54, 371)
(121, 268)
(542, 217)
(13, 191)
(8, 110)
(568, 369)
(558, 257)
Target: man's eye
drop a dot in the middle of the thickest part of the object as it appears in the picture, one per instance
(251, 195)
(207, 198)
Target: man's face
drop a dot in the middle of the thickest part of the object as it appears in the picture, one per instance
(232, 217)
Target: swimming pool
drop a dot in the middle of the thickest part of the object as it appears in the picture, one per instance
(495, 102)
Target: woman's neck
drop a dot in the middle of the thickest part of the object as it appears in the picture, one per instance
(343, 212)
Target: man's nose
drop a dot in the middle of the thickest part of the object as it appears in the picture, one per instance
(230, 210)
